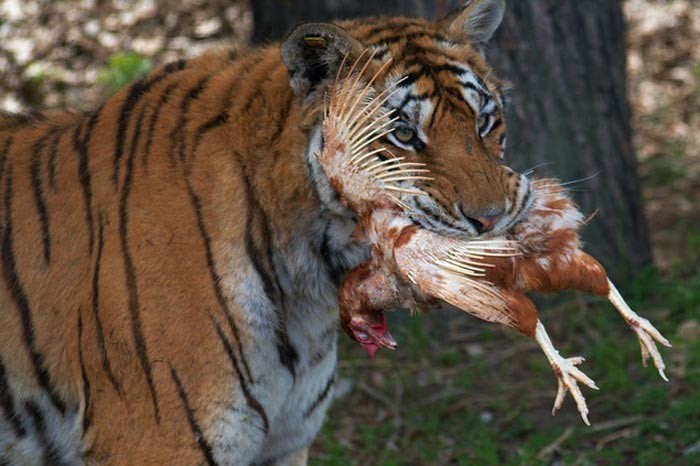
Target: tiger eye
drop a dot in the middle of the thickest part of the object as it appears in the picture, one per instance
(404, 134)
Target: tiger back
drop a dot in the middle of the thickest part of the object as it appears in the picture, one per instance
(171, 260)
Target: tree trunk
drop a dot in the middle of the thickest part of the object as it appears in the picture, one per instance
(274, 18)
(566, 60)
(569, 109)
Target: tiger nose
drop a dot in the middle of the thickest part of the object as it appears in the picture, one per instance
(483, 221)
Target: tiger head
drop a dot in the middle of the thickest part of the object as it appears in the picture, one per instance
(448, 103)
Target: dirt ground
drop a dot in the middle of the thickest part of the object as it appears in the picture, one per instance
(664, 90)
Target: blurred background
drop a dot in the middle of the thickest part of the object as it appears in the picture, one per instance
(606, 94)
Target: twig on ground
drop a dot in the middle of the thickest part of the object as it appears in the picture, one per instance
(552, 447)
(616, 423)
(376, 395)
(624, 433)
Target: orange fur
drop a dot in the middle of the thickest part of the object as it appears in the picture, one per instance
(122, 262)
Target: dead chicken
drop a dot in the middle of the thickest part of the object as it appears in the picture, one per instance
(414, 267)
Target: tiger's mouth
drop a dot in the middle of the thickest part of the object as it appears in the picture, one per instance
(429, 214)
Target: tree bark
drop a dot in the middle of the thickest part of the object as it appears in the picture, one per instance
(566, 60)
(569, 109)
(274, 18)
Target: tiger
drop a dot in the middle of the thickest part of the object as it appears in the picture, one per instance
(171, 260)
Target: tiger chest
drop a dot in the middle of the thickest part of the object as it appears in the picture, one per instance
(306, 400)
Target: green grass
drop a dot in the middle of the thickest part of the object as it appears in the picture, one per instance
(432, 402)
(122, 69)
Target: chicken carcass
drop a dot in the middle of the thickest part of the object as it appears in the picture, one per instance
(414, 267)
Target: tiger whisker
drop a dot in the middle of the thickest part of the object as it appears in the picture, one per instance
(405, 178)
(366, 165)
(331, 107)
(396, 169)
(406, 190)
(372, 129)
(356, 160)
(344, 90)
(368, 140)
(369, 107)
(532, 169)
(368, 87)
(401, 204)
(581, 180)
(368, 122)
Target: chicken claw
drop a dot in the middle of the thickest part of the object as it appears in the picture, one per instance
(646, 332)
(567, 374)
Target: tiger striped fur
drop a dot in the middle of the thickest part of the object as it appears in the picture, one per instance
(170, 261)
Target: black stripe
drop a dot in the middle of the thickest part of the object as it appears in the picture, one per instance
(470, 85)
(321, 396)
(257, 90)
(390, 26)
(380, 54)
(164, 97)
(81, 146)
(194, 425)
(436, 68)
(37, 187)
(219, 120)
(215, 278)
(456, 100)
(324, 345)
(439, 216)
(252, 401)
(12, 121)
(287, 353)
(177, 135)
(51, 456)
(411, 97)
(433, 115)
(334, 267)
(254, 210)
(215, 122)
(13, 284)
(8, 403)
(408, 37)
(426, 71)
(281, 121)
(83, 373)
(106, 364)
(3, 155)
(136, 91)
(496, 123)
(15, 121)
(53, 154)
(130, 271)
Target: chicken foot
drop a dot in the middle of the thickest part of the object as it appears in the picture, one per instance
(645, 331)
(566, 372)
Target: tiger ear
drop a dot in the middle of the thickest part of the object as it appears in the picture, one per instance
(478, 19)
(313, 52)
